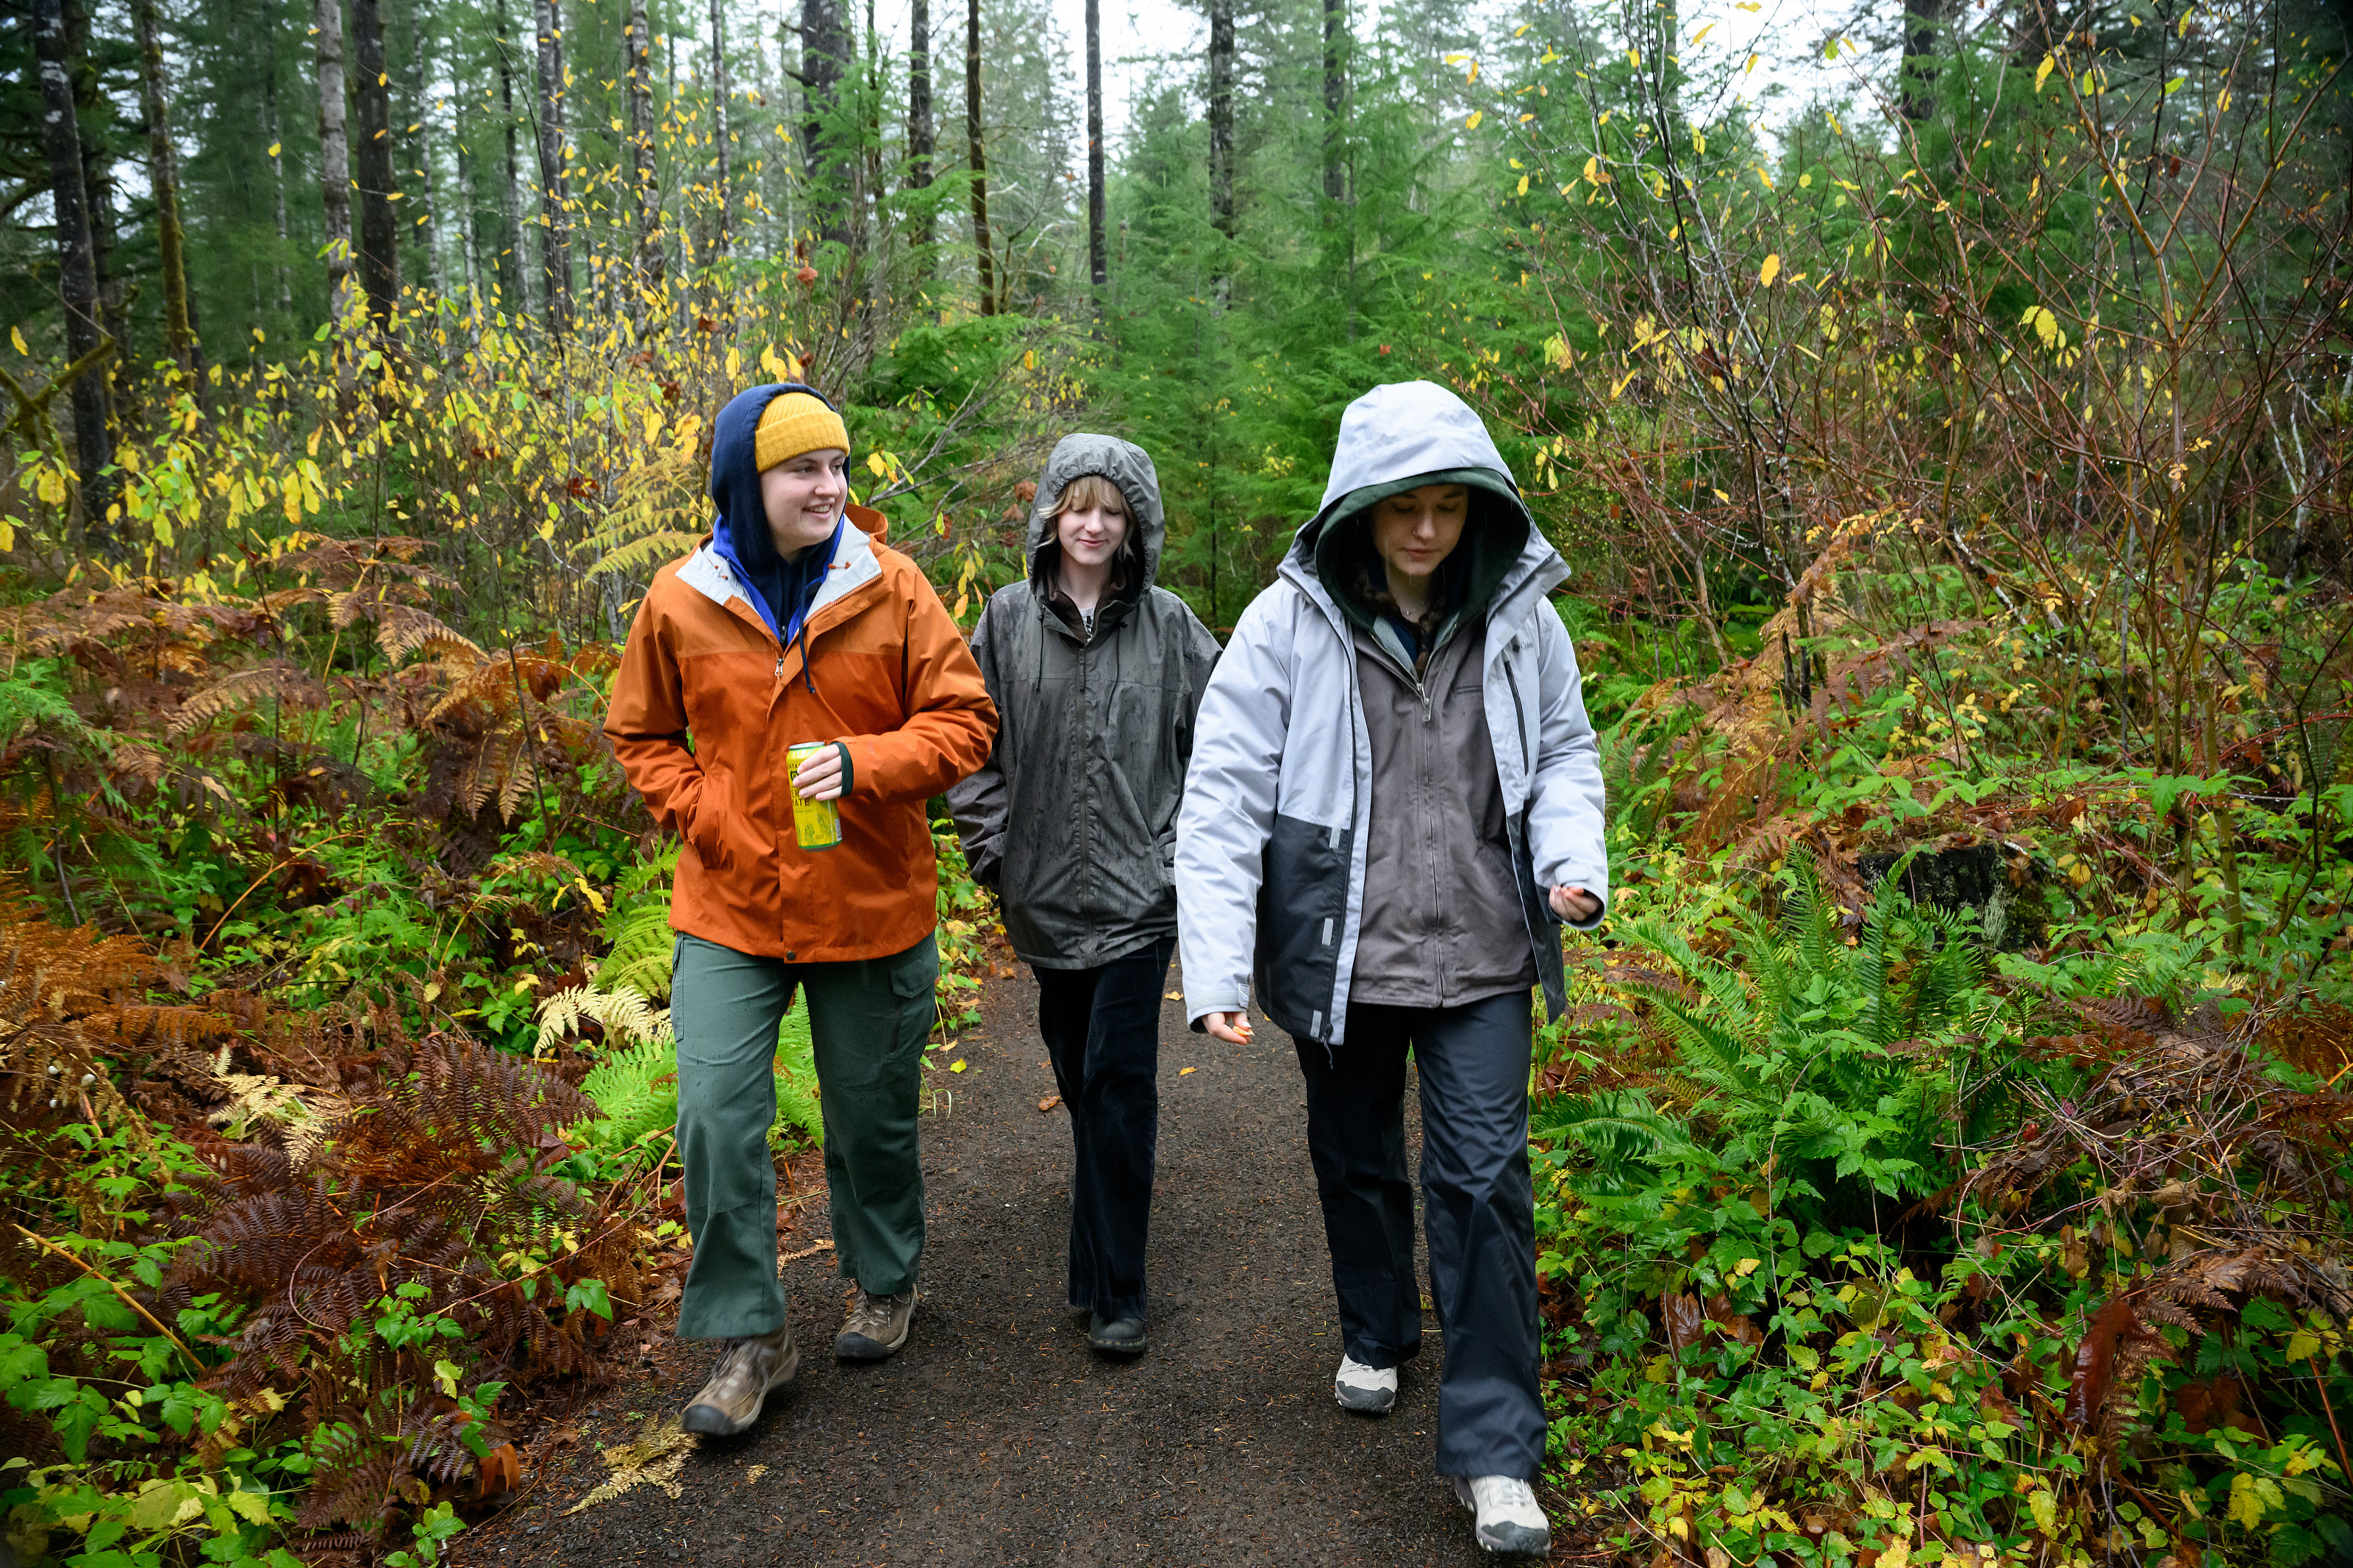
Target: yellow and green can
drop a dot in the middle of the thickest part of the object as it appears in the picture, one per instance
(816, 823)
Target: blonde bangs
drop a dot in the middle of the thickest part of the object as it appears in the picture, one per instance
(1089, 491)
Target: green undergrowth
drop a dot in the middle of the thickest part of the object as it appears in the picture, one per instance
(1985, 1200)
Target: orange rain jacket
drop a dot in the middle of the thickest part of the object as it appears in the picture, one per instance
(888, 674)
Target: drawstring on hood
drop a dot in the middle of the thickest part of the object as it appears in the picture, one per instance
(782, 590)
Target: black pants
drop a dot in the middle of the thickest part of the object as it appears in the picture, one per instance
(1480, 1211)
(1101, 1027)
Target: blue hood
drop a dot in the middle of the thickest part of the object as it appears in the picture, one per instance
(782, 590)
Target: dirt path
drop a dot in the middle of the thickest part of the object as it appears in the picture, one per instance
(997, 1437)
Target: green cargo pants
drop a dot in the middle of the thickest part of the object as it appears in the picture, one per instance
(868, 1022)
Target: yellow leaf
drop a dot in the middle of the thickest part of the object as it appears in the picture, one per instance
(251, 1507)
(273, 148)
(1524, 185)
(2042, 72)
(956, 1065)
(1771, 269)
(17, 336)
(1175, 995)
(2044, 1505)
(1746, 1267)
(1702, 33)
(2302, 1345)
(52, 486)
(1182, 1071)
(1476, 116)
(1897, 1555)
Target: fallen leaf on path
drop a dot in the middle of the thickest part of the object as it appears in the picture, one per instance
(1182, 1071)
(807, 1252)
(756, 1472)
(501, 1471)
(1176, 996)
(956, 1065)
(1051, 1101)
(654, 1459)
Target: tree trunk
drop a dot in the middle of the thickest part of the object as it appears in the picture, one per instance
(645, 196)
(335, 151)
(825, 59)
(554, 187)
(163, 177)
(1221, 134)
(1097, 260)
(919, 111)
(416, 33)
(271, 128)
(469, 257)
(725, 201)
(983, 263)
(1335, 95)
(98, 199)
(1919, 99)
(77, 274)
(379, 249)
(512, 290)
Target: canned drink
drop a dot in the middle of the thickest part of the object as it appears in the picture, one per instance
(816, 823)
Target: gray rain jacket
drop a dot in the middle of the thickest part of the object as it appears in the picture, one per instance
(1271, 844)
(1073, 821)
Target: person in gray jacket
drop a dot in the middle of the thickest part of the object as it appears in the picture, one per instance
(1395, 802)
(1096, 674)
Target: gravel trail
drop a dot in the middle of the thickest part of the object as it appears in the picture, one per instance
(997, 1437)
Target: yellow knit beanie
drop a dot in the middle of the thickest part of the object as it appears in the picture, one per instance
(794, 423)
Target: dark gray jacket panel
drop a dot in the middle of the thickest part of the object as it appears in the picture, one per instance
(1443, 924)
(1072, 822)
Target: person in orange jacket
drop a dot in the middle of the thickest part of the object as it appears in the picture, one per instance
(795, 623)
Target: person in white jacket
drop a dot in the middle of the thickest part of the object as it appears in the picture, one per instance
(1394, 803)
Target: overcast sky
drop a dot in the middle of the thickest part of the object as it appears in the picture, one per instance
(1785, 35)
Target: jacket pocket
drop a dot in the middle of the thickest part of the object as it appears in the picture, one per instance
(1303, 908)
(720, 836)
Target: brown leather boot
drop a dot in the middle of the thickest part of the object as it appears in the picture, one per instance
(875, 1326)
(748, 1371)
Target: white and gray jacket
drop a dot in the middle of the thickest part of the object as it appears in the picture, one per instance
(1269, 843)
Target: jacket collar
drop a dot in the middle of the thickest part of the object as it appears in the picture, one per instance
(854, 564)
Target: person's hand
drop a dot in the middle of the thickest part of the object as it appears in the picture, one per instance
(1231, 1027)
(1575, 904)
(819, 775)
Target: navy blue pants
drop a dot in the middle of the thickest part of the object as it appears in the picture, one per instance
(1101, 1027)
(1479, 1210)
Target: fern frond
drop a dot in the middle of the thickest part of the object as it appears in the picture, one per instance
(401, 630)
(286, 682)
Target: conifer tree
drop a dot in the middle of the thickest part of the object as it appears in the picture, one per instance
(978, 159)
(334, 150)
(76, 275)
(379, 239)
(555, 183)
(163, 179)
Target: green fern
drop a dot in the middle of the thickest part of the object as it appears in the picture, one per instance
(637, 936)
(1790, 1043)
(797, 1102)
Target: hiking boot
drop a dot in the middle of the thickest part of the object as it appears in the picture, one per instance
(747, 1372)
(1116, 1336)
(1366, 1390)
(875, 1326)
(1508, 1517)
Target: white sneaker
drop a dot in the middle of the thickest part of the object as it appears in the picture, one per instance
(1366, 1390)
(1508, 1517)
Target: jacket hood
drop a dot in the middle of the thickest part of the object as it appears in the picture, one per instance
(740, 529)
(1124, 464)
(1399, 436)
